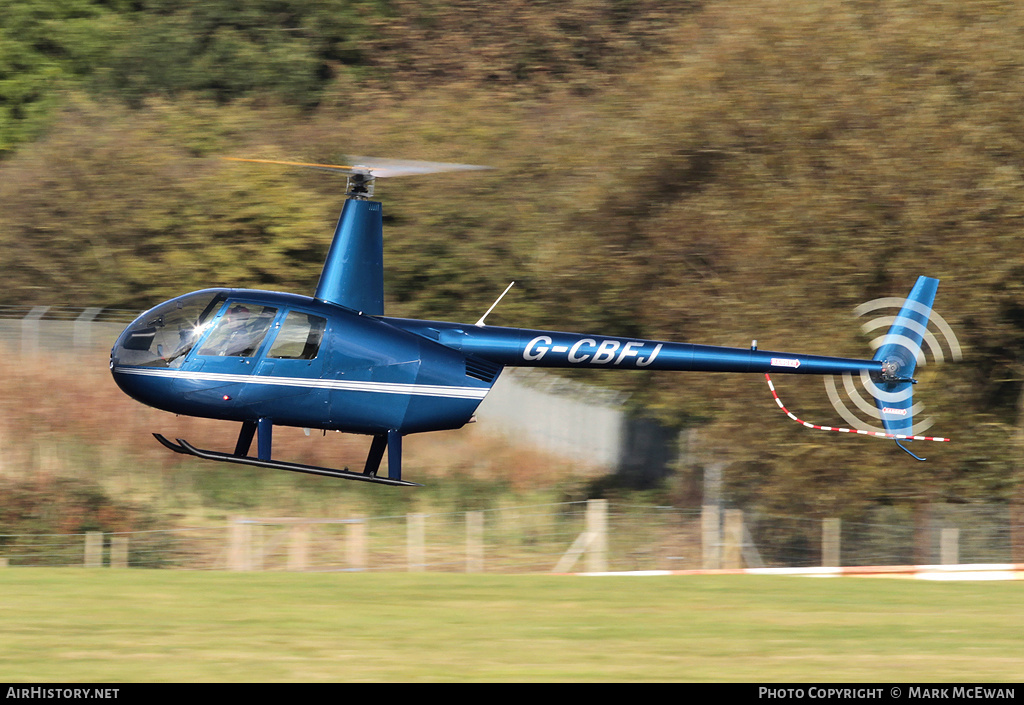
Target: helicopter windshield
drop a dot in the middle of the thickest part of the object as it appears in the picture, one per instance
(164, 335)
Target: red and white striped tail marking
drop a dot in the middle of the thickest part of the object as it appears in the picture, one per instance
(876, 434)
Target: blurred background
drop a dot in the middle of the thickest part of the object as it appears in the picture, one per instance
(710, 172)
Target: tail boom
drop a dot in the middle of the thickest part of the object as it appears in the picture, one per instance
(520, 347)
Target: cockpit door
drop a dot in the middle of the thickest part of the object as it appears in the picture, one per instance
(289, 387)
(225, 358)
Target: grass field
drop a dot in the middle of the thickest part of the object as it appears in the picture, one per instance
(72, 625)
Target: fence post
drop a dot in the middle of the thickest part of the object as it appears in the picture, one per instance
(118, 551)
(355, 545)
(30, 330)
(1017, 528)
(830, 533)
(597, 527)
(256, 546)
(415, 531)
(93, 549)
(924, 537)
(732, 549)
(711, 537)
(949, 546)
(82, 334)
(239, 547)
(474, 542)
(298, 547)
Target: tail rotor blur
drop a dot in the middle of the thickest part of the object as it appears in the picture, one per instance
(882, 404)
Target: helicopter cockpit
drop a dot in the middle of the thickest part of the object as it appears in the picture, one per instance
(164, 335)
(221, 325)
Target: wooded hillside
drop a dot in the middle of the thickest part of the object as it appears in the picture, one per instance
(710, 172)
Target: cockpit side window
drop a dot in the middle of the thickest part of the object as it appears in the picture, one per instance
(299, 338)
(239, 331)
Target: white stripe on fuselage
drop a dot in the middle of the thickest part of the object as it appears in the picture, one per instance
(427, 390)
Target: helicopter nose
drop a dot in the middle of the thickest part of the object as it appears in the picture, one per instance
(143, 386)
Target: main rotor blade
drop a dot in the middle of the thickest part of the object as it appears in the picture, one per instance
(383, 168)
(323, 167)
(380, 168)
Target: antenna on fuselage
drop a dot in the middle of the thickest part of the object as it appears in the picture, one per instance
(480, 323)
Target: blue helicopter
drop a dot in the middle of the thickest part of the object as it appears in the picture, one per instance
(334, 361)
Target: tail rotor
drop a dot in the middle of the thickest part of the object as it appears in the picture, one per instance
(915, 335)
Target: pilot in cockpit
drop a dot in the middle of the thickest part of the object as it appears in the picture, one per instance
(235, 333)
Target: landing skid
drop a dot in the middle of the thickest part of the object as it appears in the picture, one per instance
(186, 448)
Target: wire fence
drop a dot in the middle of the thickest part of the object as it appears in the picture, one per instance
(888, 535)
(543, 538)
(172, 548)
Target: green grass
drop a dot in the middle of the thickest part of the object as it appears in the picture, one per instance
(73, 625)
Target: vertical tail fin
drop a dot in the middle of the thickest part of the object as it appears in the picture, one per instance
(899, 353)
(353, 274)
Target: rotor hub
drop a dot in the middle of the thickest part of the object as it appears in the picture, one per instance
(360, 183)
